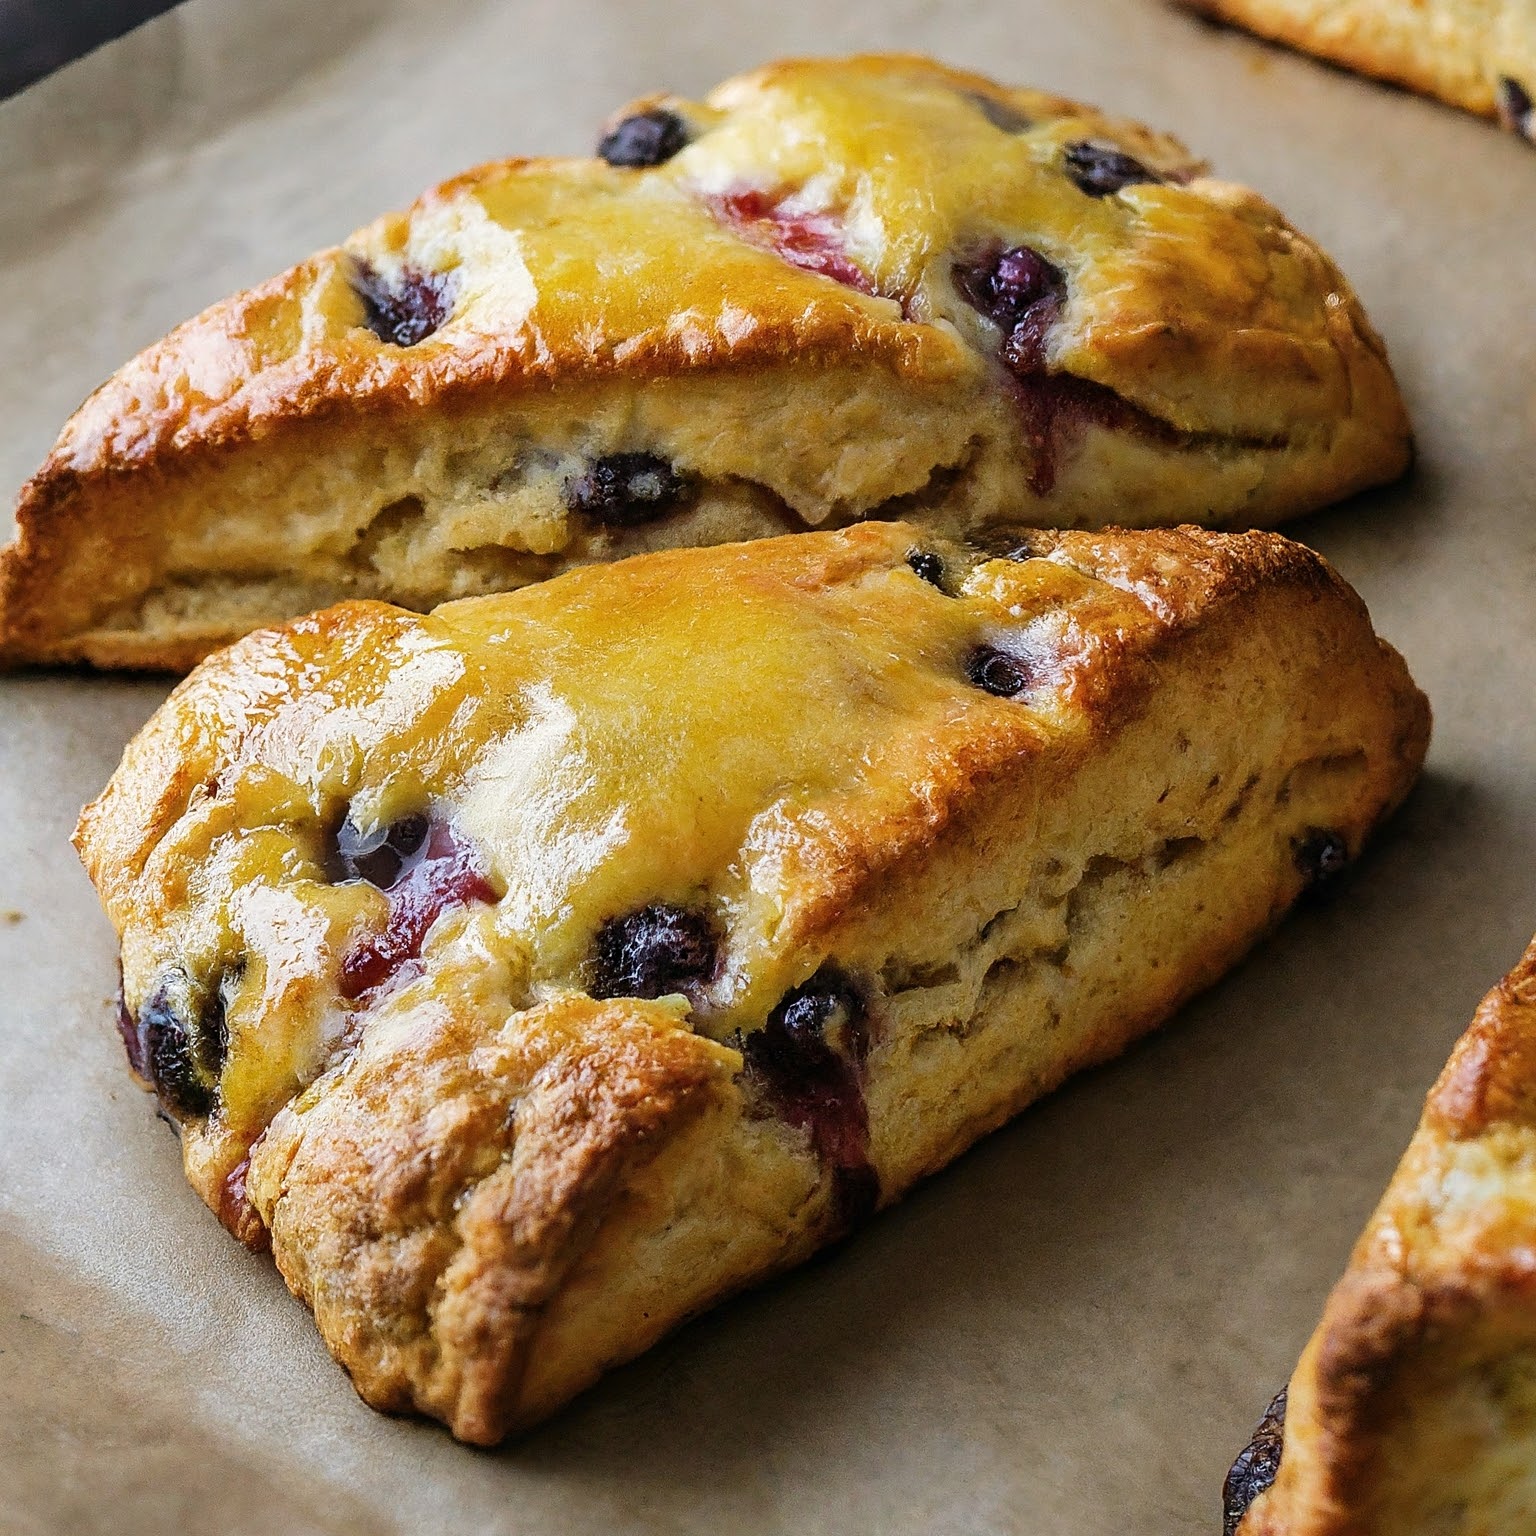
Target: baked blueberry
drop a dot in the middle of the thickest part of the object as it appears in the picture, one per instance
(657, 950)
(1101, 170)
(406, 309)
(644, 139)
(996, 672)
(927, 565)
(1517, 111)
(182, 1038)
(1005, 285)
(378, 856)
(627, 488)
(807, 1060)
(1321, 855)
(1256, 1467)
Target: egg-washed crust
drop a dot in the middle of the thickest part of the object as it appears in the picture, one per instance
(1476, 54)
(1413, 1407)
(958, 824)
(776, 314)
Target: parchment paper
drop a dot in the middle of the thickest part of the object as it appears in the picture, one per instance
(1071, 1331)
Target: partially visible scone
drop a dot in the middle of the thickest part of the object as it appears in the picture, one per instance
(833, 290)
(1413, 1409)
(538, 971)
(1477, 54)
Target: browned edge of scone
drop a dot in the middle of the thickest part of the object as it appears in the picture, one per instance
(1505, 100)
(1426, 1303)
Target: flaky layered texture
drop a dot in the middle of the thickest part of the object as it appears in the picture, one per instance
(1477, 54)
(537, 972)
(1413, 1408)
(832, 290)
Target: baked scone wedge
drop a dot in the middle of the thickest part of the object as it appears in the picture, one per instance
(1476, 54)
(537, 972)
(833, 290)
(1412, 1411)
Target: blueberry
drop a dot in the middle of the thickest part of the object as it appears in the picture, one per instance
(627, 488)
(816, 1027)
(1006, 285)
(406, 309)
(378, 856)
(654, 951)
(1516, 109)
(927, 565)
(1101, 170)
(996, 672)
(183, 1038)
(1320, 855)
(646, 139)
(1256, 1467)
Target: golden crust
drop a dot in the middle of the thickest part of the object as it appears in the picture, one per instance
(275, 454)
(914, 892)
(1413, 1407)
(1476, 54)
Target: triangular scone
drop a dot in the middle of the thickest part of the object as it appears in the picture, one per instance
(537, 972)
(843, 289)
(1412, 1411)
(1477, 54)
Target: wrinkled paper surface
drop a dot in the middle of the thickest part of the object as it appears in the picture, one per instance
(1073, 1330)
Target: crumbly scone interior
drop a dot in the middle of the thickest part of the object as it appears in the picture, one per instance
(978, 821)
(782, 321)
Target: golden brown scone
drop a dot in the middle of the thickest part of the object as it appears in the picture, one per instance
(1413, 1409)
(843, 289)
(1477, 54)
(539, 971)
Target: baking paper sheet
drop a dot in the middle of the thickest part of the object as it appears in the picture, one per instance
(1073, 1329)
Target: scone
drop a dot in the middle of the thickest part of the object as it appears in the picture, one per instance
(1477, 54)
(537, 972)
(832, 290)
(1413, 1409)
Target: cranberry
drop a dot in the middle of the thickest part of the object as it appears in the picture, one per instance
(182, 1038)
(1256, 1467)
(627, 488)
(1101, 170)
(1320, 855)
(442, 872)
(810, 241)
(645, 139)
(927, 565)
(807, 1060)
(378, 856)
(654, 951)
(1516, 109)
(404, 310)
(996, 672)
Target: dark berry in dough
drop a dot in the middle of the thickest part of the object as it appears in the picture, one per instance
(1321, 856)
(645, 139)
(406, 309)
(1256, 1467)
(183, 1038)
(996, 672)
(654, 951)
(379, 856)
(626, 488)
(1517, 111)
(929, 566)
(1101, 170)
